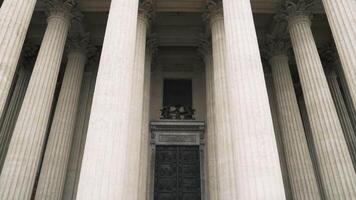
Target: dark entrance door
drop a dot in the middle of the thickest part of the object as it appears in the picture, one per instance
(177, 173)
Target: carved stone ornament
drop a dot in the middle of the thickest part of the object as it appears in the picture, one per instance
(59, 7)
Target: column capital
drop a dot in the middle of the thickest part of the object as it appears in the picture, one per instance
(297, 11)
(277, 45)
(329, 57)
(29, 55)
(204, 46)
(213, 11)
(146, 11)
(59, 8)
(152, 44)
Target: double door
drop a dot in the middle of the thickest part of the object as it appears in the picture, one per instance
(177, 173)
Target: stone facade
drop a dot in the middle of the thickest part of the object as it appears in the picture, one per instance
(92, 105)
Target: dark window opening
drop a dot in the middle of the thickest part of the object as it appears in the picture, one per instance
(177, 92)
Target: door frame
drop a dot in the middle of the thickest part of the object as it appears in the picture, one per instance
(177, 133)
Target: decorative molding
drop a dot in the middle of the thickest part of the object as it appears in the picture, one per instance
(59, 8)
(213, 11)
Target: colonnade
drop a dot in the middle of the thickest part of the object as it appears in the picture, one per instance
(106, 156)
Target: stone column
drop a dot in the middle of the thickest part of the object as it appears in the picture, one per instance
(336, 169)
(104, 168)
(341, 109)
(24, 154)
(54, 165)
(10, 118)
(342, 18)
(15, 17)
(212, 187)
(145, 154)
(277, 131)
(221, 112)
(136, 106)
(255, 171)
(300, 167)
(80, 131)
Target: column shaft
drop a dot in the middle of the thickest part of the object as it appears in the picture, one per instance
(8, 125)
(343, 114)
(104, 168)
(24, 154)
(337, 173)
(54, 166)
(301, 173)
(15, 17)
(145, 142)
(342, 18)
(254, 155)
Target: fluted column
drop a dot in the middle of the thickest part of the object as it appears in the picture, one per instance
(341, 109)
(80, 131)
(136, 107)
(212, 187)
(341, 15)
(255, 164)
(7, 127)
(104, 168)
(221, 112)
(277, 131)
(145, 153)
(336, 169)
(300, 167)
(54, 165)
(15, 17)
(24, 154)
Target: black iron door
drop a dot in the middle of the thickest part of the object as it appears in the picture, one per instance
(177, 173)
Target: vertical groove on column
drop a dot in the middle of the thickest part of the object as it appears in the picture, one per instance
(277, 130)
(341, 109)
(210, 131)
(23, 157)
(104, 168)
(337, 173)
(72, 169)
(15, 17)
(301, 173)
(10, 119)
(136, 109)
(256, 164)
(52, 177)
(225, 176)
(145, 147)
(341, 16)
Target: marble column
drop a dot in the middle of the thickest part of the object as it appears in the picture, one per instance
(10, 118)
(24, 154)
(212, 187)
(221, 112)
(341, 15)
(145, 154)
(80, 131)
(104, 168)
(300, 167)
(136, 107)
(54, 165)
(255, 172)
(15, 17)
(336, 169)
(277, 131)
(342, 112)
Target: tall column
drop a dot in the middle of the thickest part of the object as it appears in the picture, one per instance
(300, 167)
(341, 109)
(212, 189)
(277, 131)
(80, 131)
(145, 153)
(15, 17)
(336, 169)
(7, 127)
(341, 15)
(104, 168)
(24, 154)
(136, 106)
(54, 165)
(255, 164)
(221, 112)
